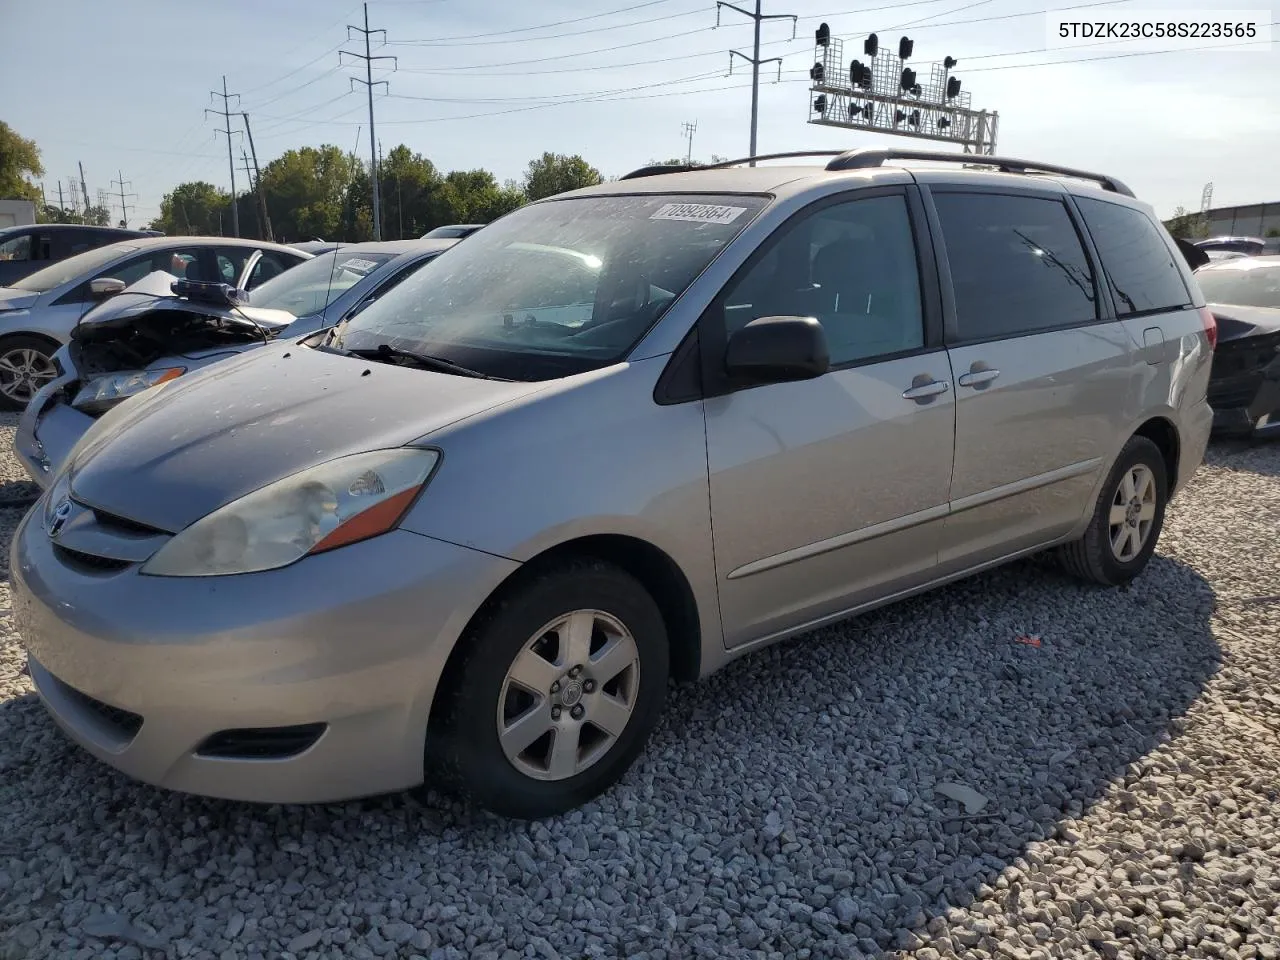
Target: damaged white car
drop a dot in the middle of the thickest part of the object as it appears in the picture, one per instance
(162, 327)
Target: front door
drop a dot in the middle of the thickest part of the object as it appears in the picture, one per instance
(828, 492)
(1043, 374)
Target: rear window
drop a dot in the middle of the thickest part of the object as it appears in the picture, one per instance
(1134, 255)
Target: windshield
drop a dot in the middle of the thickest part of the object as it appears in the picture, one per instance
(554, 288)
(1256, 284)
(311, 286)
(64, 271)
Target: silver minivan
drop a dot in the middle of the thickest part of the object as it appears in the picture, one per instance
(619, 436)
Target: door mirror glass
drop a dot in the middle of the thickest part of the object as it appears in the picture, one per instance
(776, 349)
(104, 287)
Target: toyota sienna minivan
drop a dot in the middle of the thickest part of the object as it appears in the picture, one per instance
(619, 436)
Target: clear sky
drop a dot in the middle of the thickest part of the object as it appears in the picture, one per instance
(122, 85)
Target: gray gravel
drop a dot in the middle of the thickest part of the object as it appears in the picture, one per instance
(915, 783)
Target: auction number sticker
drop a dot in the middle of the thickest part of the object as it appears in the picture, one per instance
(356, 265)
(698, 212)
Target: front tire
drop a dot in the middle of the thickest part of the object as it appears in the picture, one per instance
(26, 365)
(559, 685)
(1126, 521)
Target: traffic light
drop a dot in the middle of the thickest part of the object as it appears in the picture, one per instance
(908, 79)
(905, 46)
(822, 35)
(820, 104)
(817, 73)
(914, 118)
(949, 63)
(943, 123)
(860, 75)
(953, 88)
(898, 117)
(871, 45)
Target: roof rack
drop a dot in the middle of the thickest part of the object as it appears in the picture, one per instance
(657, 169)
(876, 156)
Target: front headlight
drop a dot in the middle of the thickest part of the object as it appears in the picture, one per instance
(330, 505)
(103, 393)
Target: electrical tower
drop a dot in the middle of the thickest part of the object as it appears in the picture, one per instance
(1206, 197)
(689, 127)
(885, 94)
(231, 160)
(257, 184)
(755, 61)
(124, 208)
(369, 84)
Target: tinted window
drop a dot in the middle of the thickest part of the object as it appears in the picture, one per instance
(184, 264)
(1017, 265)
(231, 261)
(16, 248)
(853, 266)
(1135, 256)
(269, 266)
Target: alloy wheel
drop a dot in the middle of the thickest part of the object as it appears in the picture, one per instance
(1133, 512)
(23, 372)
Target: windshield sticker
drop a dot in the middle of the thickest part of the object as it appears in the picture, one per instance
(358, 266)
(698, 212)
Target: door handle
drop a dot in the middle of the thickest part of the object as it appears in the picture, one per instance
(925, 391)
(978, 378)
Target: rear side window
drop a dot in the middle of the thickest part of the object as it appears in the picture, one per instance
(1140, 264)
(1017, 265)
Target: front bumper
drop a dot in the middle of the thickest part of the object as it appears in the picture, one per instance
(141, 671)
(47, 431)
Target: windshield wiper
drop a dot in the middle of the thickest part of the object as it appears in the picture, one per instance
(385, 352)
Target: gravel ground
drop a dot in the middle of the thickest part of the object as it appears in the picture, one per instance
(915, 783)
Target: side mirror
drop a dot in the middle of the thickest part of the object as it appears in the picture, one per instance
(105, 287)
(776, 349)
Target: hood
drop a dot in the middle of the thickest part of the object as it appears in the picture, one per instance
(154, 294)
(1237, 322)
(173, 455)
(11, 299)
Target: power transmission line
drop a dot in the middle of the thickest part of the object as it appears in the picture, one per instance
(124, 208)
(231, 162)
(369, 84)
(558, 23)
(554, 36)
(757, 18)
(689, 127)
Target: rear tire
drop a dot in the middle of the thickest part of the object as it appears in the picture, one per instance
(559, 685)
(1126, 521)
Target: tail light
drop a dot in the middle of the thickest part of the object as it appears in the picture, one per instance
(1210, 326)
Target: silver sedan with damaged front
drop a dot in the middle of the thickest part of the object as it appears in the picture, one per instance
(465, 536)
(147, 335)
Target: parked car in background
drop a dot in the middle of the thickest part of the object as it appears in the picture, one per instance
(1249, 246)
(1244, 295)
(1216, 256)
(148, 335)
(453, 231)
(38, 312)
(26, 249)
(315, 247)
(465, 534)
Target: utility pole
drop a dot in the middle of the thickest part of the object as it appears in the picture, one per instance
(754, 59)
(231, 161)
(369, 84)
(689, 127)
(85, 188)
(257, 183)
(248, 175)
(61, 206)
(124, 210)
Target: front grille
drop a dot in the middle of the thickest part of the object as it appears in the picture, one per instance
(114, 523)
(261, 743)
(124, 722)
(88, 562)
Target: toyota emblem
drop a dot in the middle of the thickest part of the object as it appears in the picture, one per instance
(54, 523)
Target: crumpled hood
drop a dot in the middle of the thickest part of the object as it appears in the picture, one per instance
(11, 299)
(1236, 322)
(170, 456)
(153, 294)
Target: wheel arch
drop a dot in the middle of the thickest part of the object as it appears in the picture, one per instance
(651, 566)
(1162, 432)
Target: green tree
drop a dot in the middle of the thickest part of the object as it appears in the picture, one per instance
(554, 173)
(1274, 232)
(196, 208)
(98, 216)
(1187, 225)
(52, 213)
(307, 191)
(19, 157)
